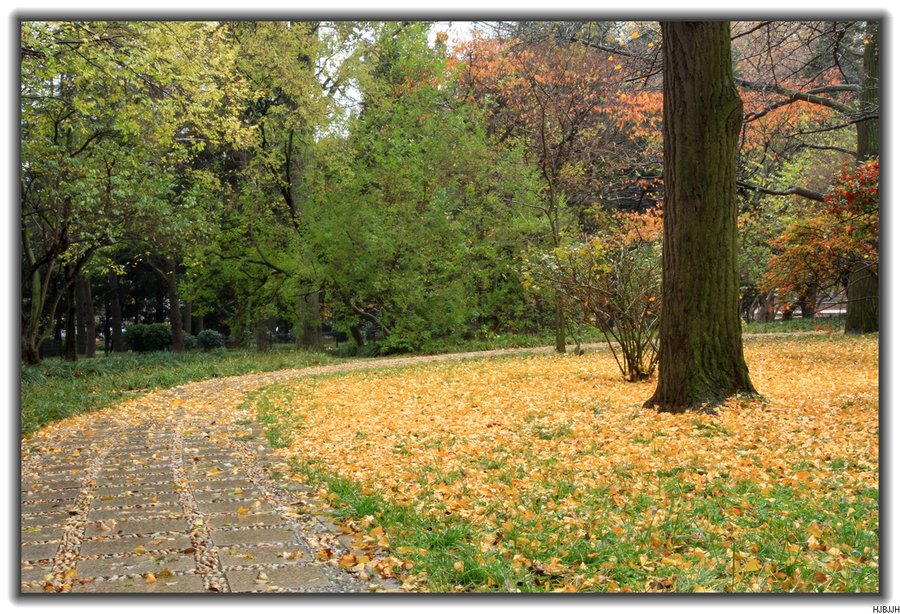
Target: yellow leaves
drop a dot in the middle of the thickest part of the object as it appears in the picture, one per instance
(634, 35)
(243, 511)
(753, 564)
(445, 439)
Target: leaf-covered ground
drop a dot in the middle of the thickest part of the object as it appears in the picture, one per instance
(544, 473)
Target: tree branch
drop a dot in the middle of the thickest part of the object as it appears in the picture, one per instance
(792, 191)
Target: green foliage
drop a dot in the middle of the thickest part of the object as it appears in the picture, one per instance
(104, 134)
(210, 339)
(148, 337)
(190, 342)
(415, 229)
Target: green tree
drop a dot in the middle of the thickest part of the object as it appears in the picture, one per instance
(413, 202)
(108, 109)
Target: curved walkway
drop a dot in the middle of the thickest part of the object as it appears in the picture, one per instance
(177, 492)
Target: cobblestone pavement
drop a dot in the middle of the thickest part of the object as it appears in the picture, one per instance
(173, 493)
(177, 492)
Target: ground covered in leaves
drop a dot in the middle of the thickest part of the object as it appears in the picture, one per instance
(543, 472)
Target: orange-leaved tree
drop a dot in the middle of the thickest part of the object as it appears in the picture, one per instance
(825, 250)
(563, 105)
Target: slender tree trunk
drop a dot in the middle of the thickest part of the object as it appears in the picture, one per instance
(90, 322)
(862, 290)
(560, 325)
(174, 308)
(199, 327)
(186, 327)
(81, 316)
(70, 350)
(357, 335)
(262, 340)
(808, 301)
(115, 313)
(700, 352)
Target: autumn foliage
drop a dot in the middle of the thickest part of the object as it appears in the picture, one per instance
(820, 250)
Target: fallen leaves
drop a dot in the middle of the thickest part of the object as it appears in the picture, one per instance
(482, 441)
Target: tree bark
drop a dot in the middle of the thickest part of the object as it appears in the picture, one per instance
(70, 349)
(862, 289)
(115, 313)
(309, 321)
(90, 323)
(701, 357)
(186, 327)
(81, 316)
(262, 340)
(174, 308)
(862, 301)
(560, 325)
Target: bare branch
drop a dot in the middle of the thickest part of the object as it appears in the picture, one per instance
(791, 191)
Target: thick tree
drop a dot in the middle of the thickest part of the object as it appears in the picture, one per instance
(700, 352)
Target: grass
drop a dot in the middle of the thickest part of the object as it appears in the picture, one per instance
(56, 389)
(795, 325)
(503, 475)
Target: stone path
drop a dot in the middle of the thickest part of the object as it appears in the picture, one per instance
(177, 492)
(173, 493)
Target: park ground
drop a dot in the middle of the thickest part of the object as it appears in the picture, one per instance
(541, 472)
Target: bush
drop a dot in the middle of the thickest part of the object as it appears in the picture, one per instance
(148, 337)
(210, 339)
(190, 342)
(614, 288)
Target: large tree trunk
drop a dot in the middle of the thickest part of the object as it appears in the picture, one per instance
(808, 301)
(862, 290)
(115, 314)
(700, 352)
(174, 309)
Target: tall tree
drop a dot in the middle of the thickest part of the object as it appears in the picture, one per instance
(701, 357)
(862, 285)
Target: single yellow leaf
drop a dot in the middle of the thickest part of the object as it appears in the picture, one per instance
(753, 564)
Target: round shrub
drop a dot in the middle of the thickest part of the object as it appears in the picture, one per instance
(210, 339)
(147, 337)
(190, 342)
